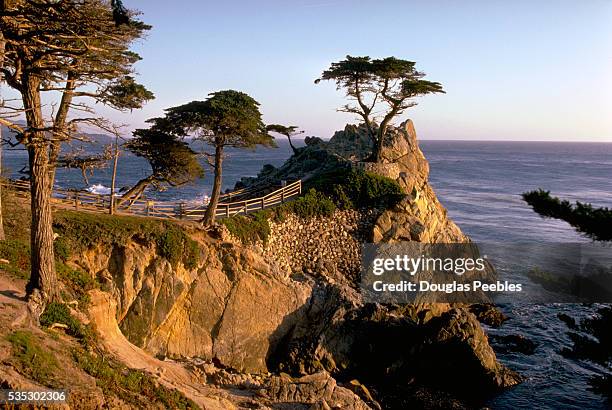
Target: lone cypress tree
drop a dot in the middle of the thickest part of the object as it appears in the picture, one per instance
(287, 131)
(380, 90)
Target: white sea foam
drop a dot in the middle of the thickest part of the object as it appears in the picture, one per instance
(99, 189)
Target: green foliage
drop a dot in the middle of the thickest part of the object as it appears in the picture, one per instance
(354, 189)
(170, 245)
(59, 313)
(287, 131)
(31, 358)
(256, 226)
(340, 188)
(130, 385)
(126, 94)
(84, 230)
(313, 204)
(191, 256)
(18, 255)
(176, 246)
(172, 161)
(76, 280)
(251, 228)
(594, 222)
(226, 118)
(61, 249)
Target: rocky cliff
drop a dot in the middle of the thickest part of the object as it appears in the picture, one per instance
(292, 305)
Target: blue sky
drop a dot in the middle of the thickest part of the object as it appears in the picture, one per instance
(512, 70)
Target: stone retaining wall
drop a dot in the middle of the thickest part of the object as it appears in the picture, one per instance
(325, 246)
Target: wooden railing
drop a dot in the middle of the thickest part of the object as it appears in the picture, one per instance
(228, 205)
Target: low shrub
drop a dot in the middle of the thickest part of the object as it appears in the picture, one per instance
(77, 280)
(59, 313)
(313, 204)
(256, 226)
(353, 189)
(249, 229)
(61, 249)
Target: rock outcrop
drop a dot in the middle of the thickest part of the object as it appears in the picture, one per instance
(233, 307)
(292, 305)
(420, 216)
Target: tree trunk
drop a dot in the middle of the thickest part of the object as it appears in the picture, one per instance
(135, 190)
(42, 287)
(291, 145)
(211, 211)
(59, 126)
(114, 178)
(43, 276)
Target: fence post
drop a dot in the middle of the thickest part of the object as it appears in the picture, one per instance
(283, 195)
(263, 204)
(148, 207)
(181, 209)
(227, 210)
(76, 201)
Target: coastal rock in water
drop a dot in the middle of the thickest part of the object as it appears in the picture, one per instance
(488, 314)
(380, 345)
(513, 343)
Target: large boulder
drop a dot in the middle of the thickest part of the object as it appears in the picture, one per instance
(381, 346)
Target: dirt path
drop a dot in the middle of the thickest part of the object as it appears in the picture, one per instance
(13, 308)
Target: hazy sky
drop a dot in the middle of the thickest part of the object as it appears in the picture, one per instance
(512, 70)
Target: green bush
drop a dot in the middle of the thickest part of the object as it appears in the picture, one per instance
(251, 228)
(313, 204)
(256, 226)
(170, 245)
(191, 257)
(129, 384)
(59, 313)
(61, 249)
(78, 281)
(31, 358)
(353, 189)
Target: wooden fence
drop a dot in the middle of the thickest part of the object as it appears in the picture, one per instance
(232, 203)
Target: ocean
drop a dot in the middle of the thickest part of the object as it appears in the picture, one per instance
(480, 183)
